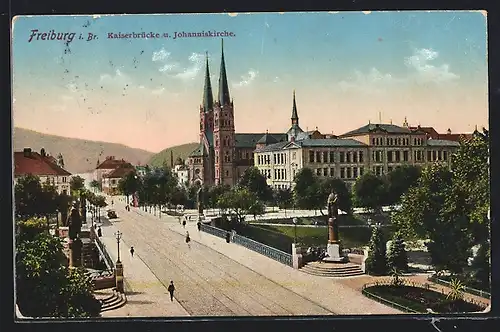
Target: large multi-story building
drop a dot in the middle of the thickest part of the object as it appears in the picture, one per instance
(378, 148)
(223, 155)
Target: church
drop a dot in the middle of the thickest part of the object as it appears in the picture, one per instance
(223, 155)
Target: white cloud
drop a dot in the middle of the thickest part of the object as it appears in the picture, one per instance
(192, 71)
(422, 70)
(158, 91)
(427, 72)
(169, 67)
(247, 78)
(72, 87)
(119, 77)
(160, 55)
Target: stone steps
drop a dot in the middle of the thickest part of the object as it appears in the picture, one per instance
(332, 269)
(115, 301)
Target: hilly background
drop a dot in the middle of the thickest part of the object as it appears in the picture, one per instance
(81, 155)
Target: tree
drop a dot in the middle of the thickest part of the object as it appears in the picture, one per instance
(214, 193)
(45, 287)
(129, 184)
(376, 263)
(339, 186)
(96, 185)
(238, 202)
(481, 264)
(370, 191)
(397, 257)
(284, 198)
(256, 183)
(306, 191)
(77, 183)
(28, 196)
(399, 181)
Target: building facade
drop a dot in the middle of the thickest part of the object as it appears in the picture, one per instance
(43, 166)
(111, 179)
(222, 155)
(378, 148)
(106, 167)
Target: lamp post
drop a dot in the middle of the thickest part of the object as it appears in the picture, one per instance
(295, 220)
(118, 236)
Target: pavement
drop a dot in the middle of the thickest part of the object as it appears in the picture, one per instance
(146, 295)
(214, 278)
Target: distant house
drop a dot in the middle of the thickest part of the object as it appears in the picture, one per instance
(141, 170)
(42, 165)
(110, 180)
(182, 173)
(106, 167)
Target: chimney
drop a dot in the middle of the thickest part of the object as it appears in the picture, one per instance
(292, 139)
(42, 152)
(27, 152)
(449, 131)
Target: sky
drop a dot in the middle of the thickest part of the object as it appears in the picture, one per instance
(347, 69)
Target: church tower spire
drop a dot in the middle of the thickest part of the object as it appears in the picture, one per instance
(224, 98)
(208, 98)
(295, 116)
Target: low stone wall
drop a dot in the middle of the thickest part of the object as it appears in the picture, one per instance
(104, 282)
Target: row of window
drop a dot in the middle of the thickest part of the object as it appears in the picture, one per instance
(396, 141)
(278, 159)
(328, 157)
(345, 172)
(399, 156)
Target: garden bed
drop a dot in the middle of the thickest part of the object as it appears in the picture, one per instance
(418, 299)
(472, 286)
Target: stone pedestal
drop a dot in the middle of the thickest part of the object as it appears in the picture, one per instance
(296, 256)
(334, 254)
(119, 277)
(75, 253)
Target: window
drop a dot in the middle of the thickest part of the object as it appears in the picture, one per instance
(434, 155)
(440, 155)
(311, 156)
(348, 156)
(398, 156)
(429, 156)
(373, 141)
(342, 157)
(332, 171)
(361, 156)
(318, 156)
(318, 171)
(361, 171)
(445, 155)
(294, 155)
(227, 173)
(332, 157)
(342, 172)
(349, 175)
(325, 171)
(405, 156)
(355, 157)
(355, 172)
(64, 179)
(389, 156)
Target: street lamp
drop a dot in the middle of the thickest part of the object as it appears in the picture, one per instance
(118, 236)
(295, 220)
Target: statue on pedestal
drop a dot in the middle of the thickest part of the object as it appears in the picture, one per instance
(200, 201)
(75, 244)
(333, 212)
(75, 224)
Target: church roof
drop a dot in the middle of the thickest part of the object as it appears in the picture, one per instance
(199, 151)
(267, 139)
(224, 97)
(249, 140)
(208, 98)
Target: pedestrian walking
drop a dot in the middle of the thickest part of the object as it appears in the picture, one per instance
(112, 202)
(199, 225)
(171, 289)
(132, 251)
(99, 231)
(184, 223)
(188, 239)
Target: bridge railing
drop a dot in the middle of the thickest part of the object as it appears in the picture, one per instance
(261, 248)
(104, 252)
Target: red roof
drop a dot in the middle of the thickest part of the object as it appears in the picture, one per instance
(121, 171)
(31, 162)
(432, 133)
(111, 163)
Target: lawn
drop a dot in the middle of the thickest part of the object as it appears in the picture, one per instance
(419, 299)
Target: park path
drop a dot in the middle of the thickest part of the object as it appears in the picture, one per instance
(217, 278)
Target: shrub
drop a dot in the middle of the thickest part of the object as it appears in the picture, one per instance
(397, 257)
(376, 263)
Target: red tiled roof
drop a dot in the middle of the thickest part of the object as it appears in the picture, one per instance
(453, 137)
(120, 172)
(111, 164)
(35, 164)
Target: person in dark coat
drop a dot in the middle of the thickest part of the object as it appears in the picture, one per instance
(184, 223)
(228, 237)
(188, 239)
(171, 289)
(132, 251)
(199, 225)
(99, 231)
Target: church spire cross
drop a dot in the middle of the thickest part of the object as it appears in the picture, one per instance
(208, 98)
(224, 98)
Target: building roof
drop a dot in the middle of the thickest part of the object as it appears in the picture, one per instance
(374, 127)
(208, 97)
(199, 151)
(306, 143)
(441, 142)
(121, 171)
(224, 98)
(249, 140)
(33, 163)
(267, 139)
(111, 163)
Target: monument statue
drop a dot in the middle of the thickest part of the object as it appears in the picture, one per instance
(200, 201)
(75, 224)
(333, 212)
